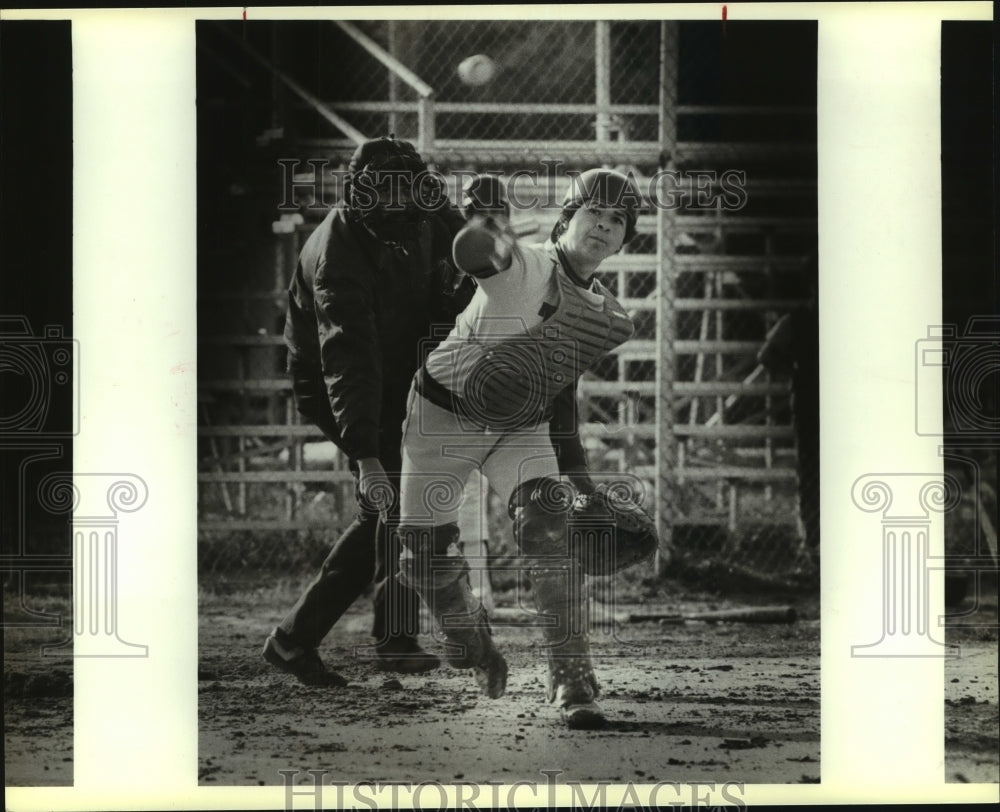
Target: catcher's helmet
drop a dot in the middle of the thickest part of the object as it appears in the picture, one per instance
(601, 186)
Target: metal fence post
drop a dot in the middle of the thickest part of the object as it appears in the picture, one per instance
(666, 325)
(426, 124)
(602, 79)
(393, 79)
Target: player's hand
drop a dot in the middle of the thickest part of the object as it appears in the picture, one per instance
(485, 246)
(375, 491)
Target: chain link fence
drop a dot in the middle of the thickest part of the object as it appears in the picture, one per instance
(717, 125)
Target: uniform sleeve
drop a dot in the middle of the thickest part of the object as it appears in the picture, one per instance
(526, 279)
(564, 432)
(352, 364)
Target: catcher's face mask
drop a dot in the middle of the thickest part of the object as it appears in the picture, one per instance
(392, 190)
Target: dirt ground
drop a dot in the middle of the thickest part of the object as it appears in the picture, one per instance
(722, 702)
(971, 715)
(37, 697)
(697, 702)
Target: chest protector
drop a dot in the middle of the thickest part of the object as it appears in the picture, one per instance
(511, 384)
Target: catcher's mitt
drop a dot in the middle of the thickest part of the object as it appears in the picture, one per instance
(609, 531)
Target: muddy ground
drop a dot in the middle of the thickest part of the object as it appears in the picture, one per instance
(971, 710)
(697, 702)
(37, 693)
(701, 702)
(723, 702)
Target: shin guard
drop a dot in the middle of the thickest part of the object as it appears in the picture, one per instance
(442, 581)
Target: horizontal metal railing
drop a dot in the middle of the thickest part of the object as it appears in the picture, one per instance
(633, 347)
(496, 151)
(701, 389)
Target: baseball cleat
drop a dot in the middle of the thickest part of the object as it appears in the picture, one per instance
(303, 664)
(583, 716)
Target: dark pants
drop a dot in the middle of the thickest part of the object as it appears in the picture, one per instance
(364, 553)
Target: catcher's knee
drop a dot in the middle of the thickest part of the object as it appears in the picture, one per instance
(424, 563)
(539, 508)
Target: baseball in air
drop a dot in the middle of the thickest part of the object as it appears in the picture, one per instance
(477, 70)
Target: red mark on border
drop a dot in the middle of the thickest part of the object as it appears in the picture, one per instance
(725, 14)
(245, 14)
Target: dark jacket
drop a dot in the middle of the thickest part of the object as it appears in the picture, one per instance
(361, 319)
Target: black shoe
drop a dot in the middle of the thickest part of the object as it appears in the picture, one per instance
(304, 664)
(403, 655)
(491, 675)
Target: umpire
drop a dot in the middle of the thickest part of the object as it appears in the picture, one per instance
(371, 282)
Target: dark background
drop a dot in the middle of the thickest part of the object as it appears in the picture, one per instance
(36, 258)
(36, 195)
(969, 271)
(968, 174)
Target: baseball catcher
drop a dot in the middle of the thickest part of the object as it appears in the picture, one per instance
(498, 394)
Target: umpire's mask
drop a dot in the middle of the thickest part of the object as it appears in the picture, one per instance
(389, 189)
